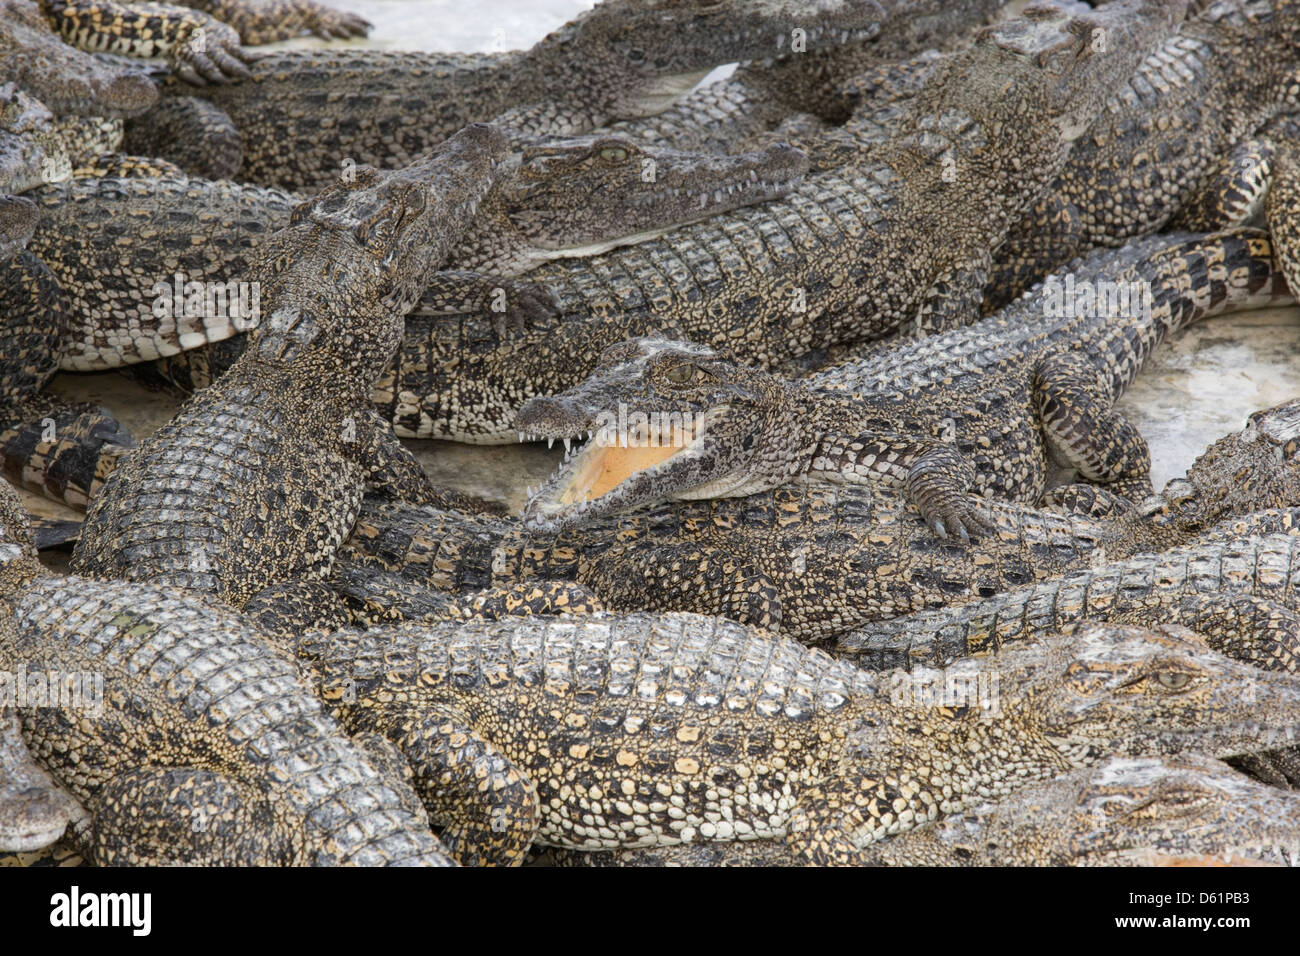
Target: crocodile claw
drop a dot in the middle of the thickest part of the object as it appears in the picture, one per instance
(529, 305)
(209, 56)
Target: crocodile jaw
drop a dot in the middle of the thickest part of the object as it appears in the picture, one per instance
(600, 467)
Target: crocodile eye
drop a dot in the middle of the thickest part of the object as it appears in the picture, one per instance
(636, 56)
(613, 153)
(1174, 680)
(681, 374)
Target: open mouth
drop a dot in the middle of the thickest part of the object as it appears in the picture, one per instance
(598, 474)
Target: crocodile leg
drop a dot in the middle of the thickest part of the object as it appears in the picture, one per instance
(1282, 211)
(192, 132)
(202, 48)
(827, 813)
(487, 806)
(510, 302)
(1074, 406)
(178, 815)
(393, 470)
(686, 576)
(955, 298)
(64, 452)
(268, 21)
(1233, 193)
(288, 608)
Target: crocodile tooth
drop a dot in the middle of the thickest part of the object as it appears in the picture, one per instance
(521, 438)
(566, 448)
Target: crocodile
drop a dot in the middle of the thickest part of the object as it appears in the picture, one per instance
(850, 255)
(976, 409)
(66, 80)
(761, 94)
(1179, 139)
(622, 58)
(258, 479)
(548, 201)
(1125, 811)
(1236, 519)
(818, 559)
(50, 444)
(186, 735)
(616, 732)
(202, 38)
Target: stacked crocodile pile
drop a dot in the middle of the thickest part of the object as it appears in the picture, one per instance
(805, 587)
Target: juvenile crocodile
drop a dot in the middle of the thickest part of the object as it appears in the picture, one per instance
(185, 734)
(63, 78)
(115, 245)
(622, 58)
(1125, 812)
(607, 732)
(977, 408)
(813, 560)
(850, 255)
(1227, 569)
(259, 478)
(1177, 146)
(1145, 811)
(758, 96)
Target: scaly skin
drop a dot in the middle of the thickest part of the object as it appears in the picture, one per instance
(550, 201)
(258, 479)
(193, 739)
(624, 58)
(758, 96)
(63, 78)
(813, 560)
(1035, 378)
(998, 395)
(1170, 138)
(34, 810)
(617, 732)
(861, 251)
(201, 48)
(1125, 812)
(553, 200)
(1146, 811)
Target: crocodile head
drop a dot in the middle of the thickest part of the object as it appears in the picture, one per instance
(354, 258)
(631, 58)
(1251, 470)
(1113, 691)
(32, 152)
(62, 77)
(18, 219)
(1049, 70)
(581, 197)
(1143, 811)
(661, 419)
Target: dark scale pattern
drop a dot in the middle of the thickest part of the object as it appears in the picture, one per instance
(853, 254)
(623, 731)
(196, 710)
(258, 479)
